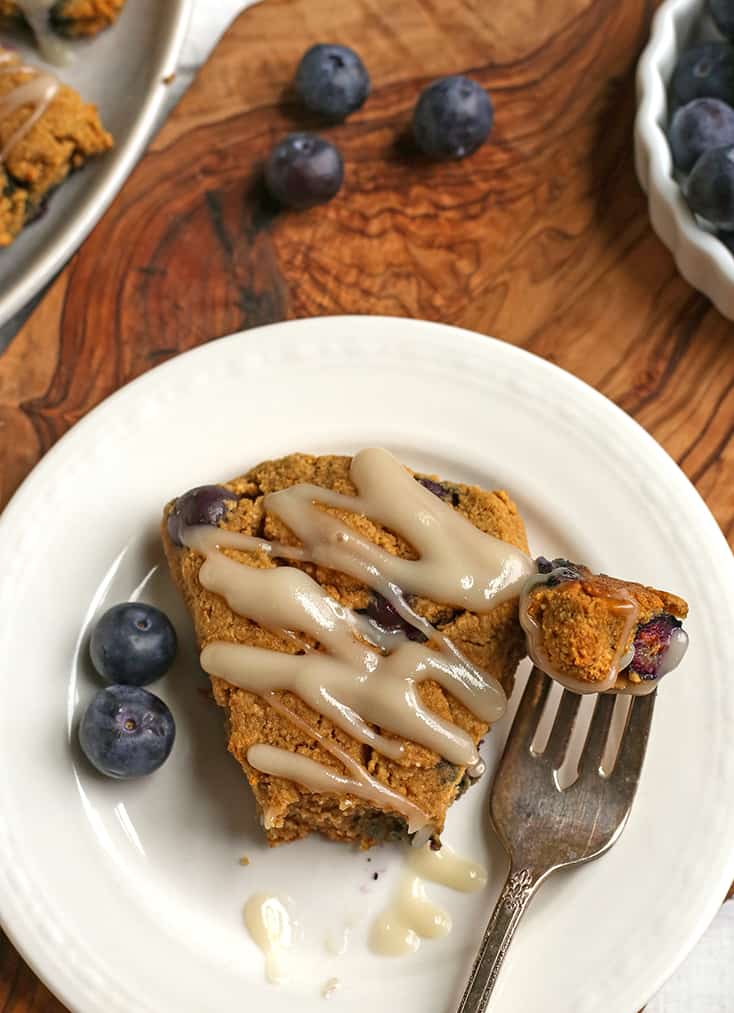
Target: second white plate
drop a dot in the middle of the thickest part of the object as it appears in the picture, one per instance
(130, 896)
(123, 72)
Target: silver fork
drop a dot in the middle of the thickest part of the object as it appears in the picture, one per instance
(544, 828)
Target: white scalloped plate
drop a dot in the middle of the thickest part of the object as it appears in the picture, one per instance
(129, 896)
(701, 258)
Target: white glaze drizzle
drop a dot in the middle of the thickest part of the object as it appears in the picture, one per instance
(317, 777)
(411, 916)
(37, 92)
(447, 868)
(36, 14)
(330, 988)
(269, 922)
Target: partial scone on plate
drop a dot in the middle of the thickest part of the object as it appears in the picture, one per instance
(68, 17)
(46, 132)
(360, 626)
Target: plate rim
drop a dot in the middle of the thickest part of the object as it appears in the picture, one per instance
(30, 947)
(53, 255)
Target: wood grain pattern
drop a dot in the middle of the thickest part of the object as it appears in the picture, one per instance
(541, 239)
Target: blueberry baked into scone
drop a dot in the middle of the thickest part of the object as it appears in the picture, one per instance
(46, 132)
(360, 625)
(70, 18)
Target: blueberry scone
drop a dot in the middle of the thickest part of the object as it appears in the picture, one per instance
(359, 624)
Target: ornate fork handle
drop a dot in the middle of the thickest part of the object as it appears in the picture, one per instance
(519, 888)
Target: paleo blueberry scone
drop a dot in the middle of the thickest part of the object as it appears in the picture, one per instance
(70, 18)
(46, 132)
(362, 725)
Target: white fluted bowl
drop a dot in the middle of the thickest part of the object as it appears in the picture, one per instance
(701, 258)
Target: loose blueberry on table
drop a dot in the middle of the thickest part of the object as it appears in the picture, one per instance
(332, 81)
(126, 732)
(453, 117)
(133, 643)
(304, 170)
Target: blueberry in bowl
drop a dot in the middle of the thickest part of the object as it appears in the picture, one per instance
(710, 187)
(332, 81)
(126, 732)
(697, 127)
(703, 71)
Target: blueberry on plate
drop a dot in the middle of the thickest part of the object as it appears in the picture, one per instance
(722, 14)
(452, 118)
(133, 643)
(126, 732)
(304, 170)
(332, 81)
(705, 71)
(697, 127)
(206, 504)
(710, 187)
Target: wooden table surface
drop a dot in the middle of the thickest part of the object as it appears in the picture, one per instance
(540, 239)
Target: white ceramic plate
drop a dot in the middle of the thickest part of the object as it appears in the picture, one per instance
(122, 71)
(129, 896)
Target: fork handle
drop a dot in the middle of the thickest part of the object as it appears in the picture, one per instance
(519, 888)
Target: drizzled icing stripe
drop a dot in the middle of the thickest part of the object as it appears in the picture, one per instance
(317, 777)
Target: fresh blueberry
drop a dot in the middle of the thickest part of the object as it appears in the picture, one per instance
(126, 732)
(710, 187)
(452, 118)
(207, 504)
(332, 81)
(133, 643)
(705, 71)
(722, 13)
(651, 641)
(386, 618)
(304, 170)
(697, 127)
